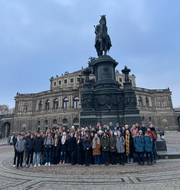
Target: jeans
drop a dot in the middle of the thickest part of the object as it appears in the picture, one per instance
(37, 154)
(87, 157)
(97, 159)
(48, 155)
(129, 159)
(139, 157)
(113, 158)
(30, 155)
(154, 150)
(121, 155)
(147, 156)
(62, 155)
(20, 158)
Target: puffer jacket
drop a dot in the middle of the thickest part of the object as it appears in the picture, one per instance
(30, 144)
(139, 144)
(148, 144)
(105, 143)
(120, 144)
(38, 144)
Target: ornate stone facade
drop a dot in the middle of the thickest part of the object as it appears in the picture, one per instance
(61, 105)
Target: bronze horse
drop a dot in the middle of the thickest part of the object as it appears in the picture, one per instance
(102, 41)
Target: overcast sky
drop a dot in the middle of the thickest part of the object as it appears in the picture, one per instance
(44, 38)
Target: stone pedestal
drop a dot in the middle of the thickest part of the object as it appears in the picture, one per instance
(106, 102)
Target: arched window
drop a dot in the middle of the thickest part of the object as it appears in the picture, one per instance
(139, 101)
(54, 121)
(149, 119)
(143, 119)
(66, 102)
(45, 125)
(65, 121)
(47, 104)
(76, 120)
(38, 125)
(40, 105)
(56, 103)
(147, 102)
(76, 102)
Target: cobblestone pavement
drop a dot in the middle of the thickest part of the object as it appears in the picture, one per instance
(165, 174)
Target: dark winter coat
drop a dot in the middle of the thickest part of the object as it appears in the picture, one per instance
(38, 144)
(64, 147)
(105, 143)
(56, 149)
(139, 144)
(86, 143)
(112, 143)
(30, 144)
(148, 144)
(120, 144)
(72, 144)
(143, 129)
(79, 152)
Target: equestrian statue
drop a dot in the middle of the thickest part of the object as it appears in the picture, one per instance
(102, 40)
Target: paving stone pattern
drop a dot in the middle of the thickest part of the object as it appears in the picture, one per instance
(165, 174)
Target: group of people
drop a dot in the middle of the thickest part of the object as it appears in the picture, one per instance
(89, 145)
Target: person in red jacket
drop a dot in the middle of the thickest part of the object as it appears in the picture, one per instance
(153, 137)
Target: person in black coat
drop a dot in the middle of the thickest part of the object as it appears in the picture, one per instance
(86, 147)
(30, 150)
(129, 147)
(79, 150)
(15, 151)
(56, 149)
(72, 148)
(38, 145)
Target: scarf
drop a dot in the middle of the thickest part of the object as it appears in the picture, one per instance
(55, 142)
(63, 139)
(134, 131)
(94, 143)
(127, 145)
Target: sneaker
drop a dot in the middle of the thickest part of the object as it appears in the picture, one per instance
(34, 165)
(14, 166)
(49, 164)
(26, 166)
(46, 164)
(63, 161)
(38, 164)
(154, 161)
(60, 162)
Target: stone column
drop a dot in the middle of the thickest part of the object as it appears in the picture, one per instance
(51, 103)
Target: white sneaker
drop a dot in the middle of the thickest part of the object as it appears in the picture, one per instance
(14, 166)
(24, 164)
(34, 165)
(46, 164)
(38, 164)
(49, 164)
